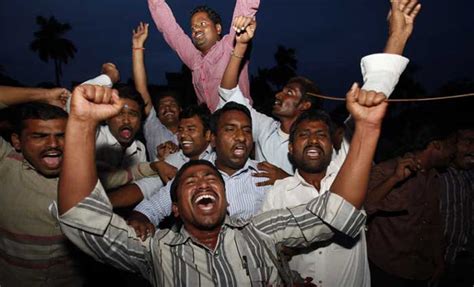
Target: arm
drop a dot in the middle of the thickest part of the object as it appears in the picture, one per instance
(115, 178)
(139, 72)
(406, 166)
(367, 110)
(172, 32)
(401, 19)
(16, 95)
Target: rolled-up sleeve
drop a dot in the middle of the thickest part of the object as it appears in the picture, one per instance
(381, 72)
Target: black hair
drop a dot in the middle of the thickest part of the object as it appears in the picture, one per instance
(419, 134)
(126, 91)
(311, 115)
(179, 175)
(201, 111)
(307, 86)
(213, 15)
(36, 111)
(230, 106)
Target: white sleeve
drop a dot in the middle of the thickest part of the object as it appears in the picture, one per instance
(102, 80)
(382, 71)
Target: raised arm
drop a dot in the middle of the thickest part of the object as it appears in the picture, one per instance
(247, 8)
(245, 29)
(172, 32)
(367, 110)
(140, 34)
(17, 95)
(401, 19)
(89, 106)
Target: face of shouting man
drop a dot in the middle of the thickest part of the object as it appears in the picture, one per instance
(126, 124)
(311, 149)
(199, 197)
(41, 142)
(233, 141)
(192, 136)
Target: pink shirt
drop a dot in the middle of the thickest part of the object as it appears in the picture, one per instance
(208, 69)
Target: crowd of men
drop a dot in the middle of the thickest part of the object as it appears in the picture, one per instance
(220, 194)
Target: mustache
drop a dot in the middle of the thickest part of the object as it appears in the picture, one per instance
(52, 149)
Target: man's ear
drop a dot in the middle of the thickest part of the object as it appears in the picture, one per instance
(207, 136)
(219, 29)
(290, 148)
(213, 140)
(175, 210)
(305, 105)
(16, 142)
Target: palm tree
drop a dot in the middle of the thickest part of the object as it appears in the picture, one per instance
(49, 43)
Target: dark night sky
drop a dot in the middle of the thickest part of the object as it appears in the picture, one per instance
(329, 36)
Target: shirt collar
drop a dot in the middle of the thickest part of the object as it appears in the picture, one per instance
(282, 134)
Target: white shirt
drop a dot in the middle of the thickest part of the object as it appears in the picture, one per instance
(156, 133)
(110, 153)
(332, 265)
(381, 73)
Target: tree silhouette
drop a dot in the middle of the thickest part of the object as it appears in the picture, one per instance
(50, 44)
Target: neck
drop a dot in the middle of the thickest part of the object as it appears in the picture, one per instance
(313, 178)
(173, 127)
(286, 124)
(228, 170)
(207, 238)
(424, 158)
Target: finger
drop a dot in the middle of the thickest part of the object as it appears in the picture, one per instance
(409, 7)
(369, 98)
(264, 183)
(415, 11)
(402, 4)
(379, 98)
(260, 174)
(116, 101)
(353, 93)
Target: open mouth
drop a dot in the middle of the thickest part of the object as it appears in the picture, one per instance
(125, 132)
(277, 102)
(313, 152)
(186, 144)
(52, 159)
(198, 35)
(239, 150)
(205, 202)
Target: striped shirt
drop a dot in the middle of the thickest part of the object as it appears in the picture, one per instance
(456, 209)
(245, 198)
(33, 250)
(242, 256)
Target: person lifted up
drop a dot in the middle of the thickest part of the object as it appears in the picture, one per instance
(206, 53)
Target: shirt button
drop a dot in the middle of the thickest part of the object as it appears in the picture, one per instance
(320, 252)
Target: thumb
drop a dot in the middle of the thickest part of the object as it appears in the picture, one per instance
(353, 93)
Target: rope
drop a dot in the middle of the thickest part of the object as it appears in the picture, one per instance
(399, 100)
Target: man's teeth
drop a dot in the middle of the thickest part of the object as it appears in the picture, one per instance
(205, 196)
(186, 143)
(313, 152)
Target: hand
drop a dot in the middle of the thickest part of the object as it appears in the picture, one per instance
(165, 149)
(140, 34)
(405, 167)
(165, 170)
(111, 70)
(244, 28)
(57, 97)
(273, 173)
(142, 225)
(402, 17)
(94, 103)
(366, 107)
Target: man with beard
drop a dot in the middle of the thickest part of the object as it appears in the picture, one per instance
(231, 129)
(33, 250)
(209, 248)
(206, 54)
(310, 149)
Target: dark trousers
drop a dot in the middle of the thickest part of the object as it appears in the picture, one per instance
(380, 278)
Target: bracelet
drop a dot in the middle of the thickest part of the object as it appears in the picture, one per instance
(138, 48)
(235, 55)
